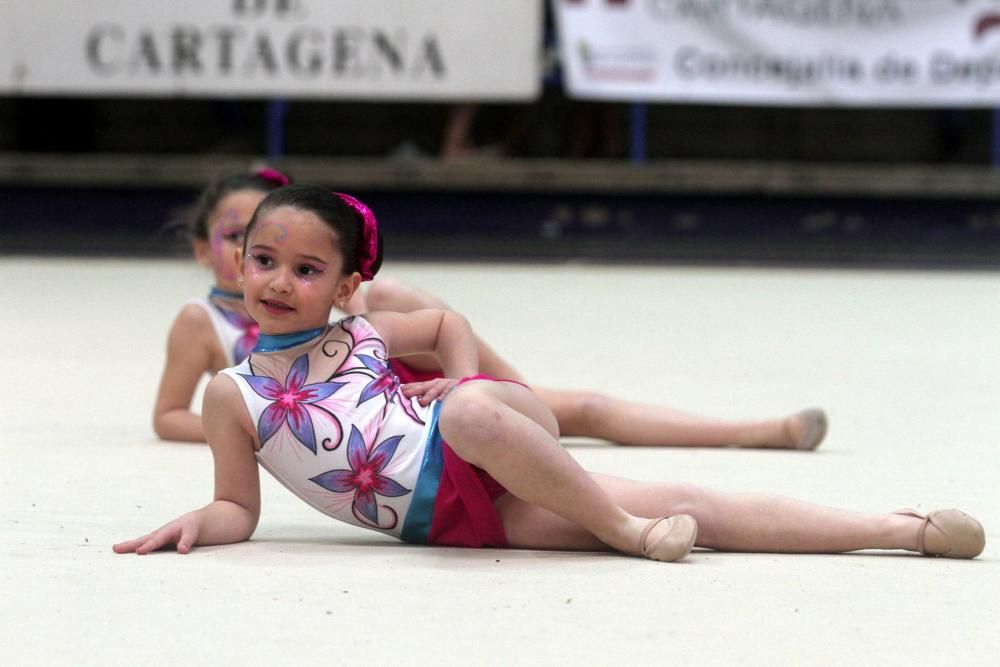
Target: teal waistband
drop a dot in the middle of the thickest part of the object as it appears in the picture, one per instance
(417, 525)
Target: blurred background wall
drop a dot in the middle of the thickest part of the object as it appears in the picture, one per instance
(544, 172)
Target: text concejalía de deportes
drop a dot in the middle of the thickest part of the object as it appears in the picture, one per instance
(942, 68)
(692, 62)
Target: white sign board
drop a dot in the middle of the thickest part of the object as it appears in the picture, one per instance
(362, 49)
(784, 52)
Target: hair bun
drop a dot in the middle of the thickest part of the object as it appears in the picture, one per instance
(272, 175)
(368, 248)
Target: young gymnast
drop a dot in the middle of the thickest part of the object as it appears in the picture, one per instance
(461, 460)
(216, 332)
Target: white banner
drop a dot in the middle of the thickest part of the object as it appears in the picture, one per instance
(362, 49)
(784, 52)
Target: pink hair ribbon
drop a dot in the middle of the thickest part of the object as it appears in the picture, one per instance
(368, 248)
(272, 176)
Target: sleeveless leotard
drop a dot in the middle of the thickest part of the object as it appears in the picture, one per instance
(334, 428)
(236, 331)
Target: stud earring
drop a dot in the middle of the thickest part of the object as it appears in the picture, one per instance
(239, 281)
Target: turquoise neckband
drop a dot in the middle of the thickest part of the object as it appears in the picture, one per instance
(226, 294)
(278, 342)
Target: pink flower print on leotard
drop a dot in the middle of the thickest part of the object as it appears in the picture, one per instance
(303, 391)
(365, 479)
(246, 331)
(385, 382)
(251, 332)
(291, 403)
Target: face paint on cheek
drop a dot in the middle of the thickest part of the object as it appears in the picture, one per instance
(250, 267)
(222, 261)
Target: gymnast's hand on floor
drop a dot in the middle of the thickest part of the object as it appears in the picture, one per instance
(182, 532)
(429, 390)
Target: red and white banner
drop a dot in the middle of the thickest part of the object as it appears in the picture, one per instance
(362, 49)
(784, 52)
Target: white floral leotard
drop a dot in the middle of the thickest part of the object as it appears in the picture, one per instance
(236, 331)
(335, 429)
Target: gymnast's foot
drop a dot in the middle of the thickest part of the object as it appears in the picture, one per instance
(805, 430)
(668, 538)
(948, 533)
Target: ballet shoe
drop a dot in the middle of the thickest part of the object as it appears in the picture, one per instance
(814, 432)
(675, 543)
(965, 535)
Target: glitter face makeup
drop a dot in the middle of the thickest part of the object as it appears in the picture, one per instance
(226, 229)
(281, 231)
(292, 272)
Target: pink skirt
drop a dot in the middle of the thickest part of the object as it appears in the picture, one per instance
(408, 374)
(463, 513)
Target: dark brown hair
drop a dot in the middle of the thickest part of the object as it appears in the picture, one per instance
(194, 220)
(328, 207)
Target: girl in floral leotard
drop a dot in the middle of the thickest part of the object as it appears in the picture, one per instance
(462, 459)
(215, 332)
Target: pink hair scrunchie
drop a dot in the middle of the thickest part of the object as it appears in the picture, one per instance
(272, 176)
(368, 248)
